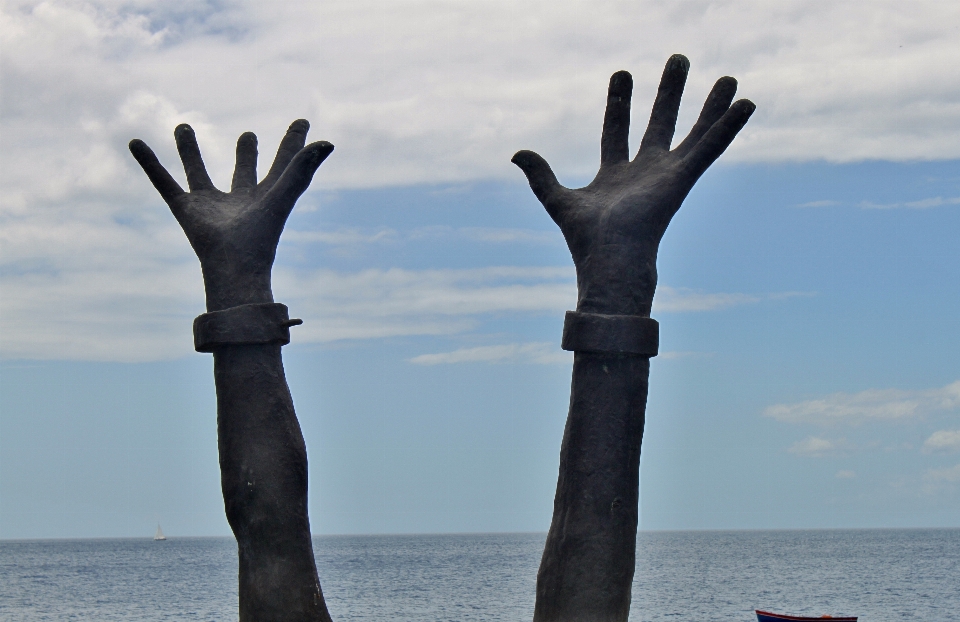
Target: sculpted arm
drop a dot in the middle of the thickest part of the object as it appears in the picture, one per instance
(613, 229)
(263, 458)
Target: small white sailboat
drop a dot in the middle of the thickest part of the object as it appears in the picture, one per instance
(159, 535)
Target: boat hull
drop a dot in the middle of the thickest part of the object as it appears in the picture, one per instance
(766, 616)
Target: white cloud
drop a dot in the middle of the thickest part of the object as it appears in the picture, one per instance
(346, 236)
(678, 300)
(536, 353)
(130, 293)
(822, 203)
(673, 355)
(816, 447)
(941, 481)
(93, 288)
(942, 441)
(509, 236)
(447, 93)
(873, 404)
(413, 103)
(142, 310)
(681, 299)
(927, 203)
(384, 303)
(948, 475)
(921, 204)
(353, 236)
(88, 280)
(846, 474)
(451, 90)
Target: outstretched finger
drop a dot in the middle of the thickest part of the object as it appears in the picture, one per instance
(542, 180)
(663, 117)
(296, 178)
(719, 137)
(165, 184)
(245, 170)
(616, 119)
(717, 103)
(290, 146)
(197, 178)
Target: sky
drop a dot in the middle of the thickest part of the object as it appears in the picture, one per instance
(809, 374)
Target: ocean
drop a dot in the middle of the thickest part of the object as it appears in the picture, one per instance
(878, 575)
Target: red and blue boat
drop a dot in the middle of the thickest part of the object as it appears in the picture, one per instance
(766, 616)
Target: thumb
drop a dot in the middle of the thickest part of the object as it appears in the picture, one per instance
(541, 178)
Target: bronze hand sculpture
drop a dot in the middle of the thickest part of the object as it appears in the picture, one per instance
(613, 229)
(263, 459)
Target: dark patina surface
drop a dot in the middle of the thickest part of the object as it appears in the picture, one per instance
(263, 459)
(613, 229)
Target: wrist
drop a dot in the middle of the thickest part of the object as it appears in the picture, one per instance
(221, 301)
(616, 279)
(620, 299)
(228, 289)
(637, 309)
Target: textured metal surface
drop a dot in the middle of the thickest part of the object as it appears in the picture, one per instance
(596, 332)
(243, 325)
(263, 459)
(613, 228)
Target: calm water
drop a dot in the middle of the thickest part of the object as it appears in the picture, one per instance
(876, 574)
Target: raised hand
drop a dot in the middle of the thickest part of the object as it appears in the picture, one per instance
(614, 225)
(235, 234)
(613, 228)
(263, 458)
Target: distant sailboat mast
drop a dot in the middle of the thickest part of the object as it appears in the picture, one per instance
(159, 535)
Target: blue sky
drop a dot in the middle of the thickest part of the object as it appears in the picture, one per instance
(808, 286)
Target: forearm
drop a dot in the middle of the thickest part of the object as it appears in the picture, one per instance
(262, 454)
(589, 558)
(613, 227)
(263, 474)
(226, 285)
(263, 459)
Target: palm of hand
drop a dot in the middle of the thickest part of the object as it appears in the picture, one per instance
(613, 226)
(235, 234)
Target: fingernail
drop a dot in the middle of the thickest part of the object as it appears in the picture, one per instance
(678, 62)
(300, 125)
(728, 82)
(621, 85)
